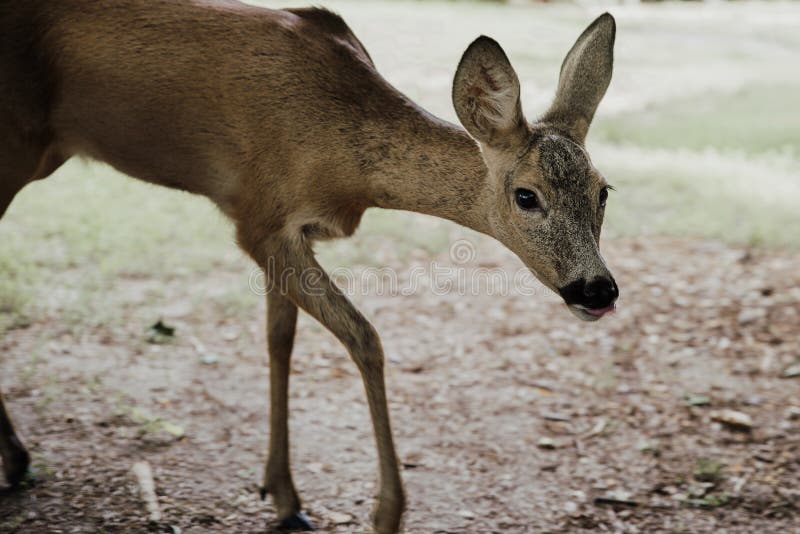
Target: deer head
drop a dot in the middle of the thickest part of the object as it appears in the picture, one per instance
(548, 199)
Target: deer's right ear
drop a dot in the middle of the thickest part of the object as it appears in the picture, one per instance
(486, 95)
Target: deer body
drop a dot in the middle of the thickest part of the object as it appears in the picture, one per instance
(281, 119)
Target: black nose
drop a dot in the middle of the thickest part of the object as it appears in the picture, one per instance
(597, 294)
(600, 293)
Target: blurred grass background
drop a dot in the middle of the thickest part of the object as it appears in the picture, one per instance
(699, 133)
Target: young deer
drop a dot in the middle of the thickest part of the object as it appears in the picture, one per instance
(281, 119)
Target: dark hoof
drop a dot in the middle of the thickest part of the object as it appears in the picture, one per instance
(298, 521)
(18, 470)
(24, 480)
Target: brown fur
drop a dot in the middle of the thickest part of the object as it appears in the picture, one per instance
(280, 118)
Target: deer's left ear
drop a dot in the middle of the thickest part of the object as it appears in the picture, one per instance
(486, 95)
(585, 75)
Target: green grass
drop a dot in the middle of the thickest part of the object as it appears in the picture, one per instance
(66, 241)
(729, 196)
(753, 119)
(90, 214)
(699, 132)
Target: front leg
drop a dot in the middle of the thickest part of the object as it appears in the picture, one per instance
(291, 269)
(281, 322)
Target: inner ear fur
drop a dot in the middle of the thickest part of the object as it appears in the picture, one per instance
(486, 95)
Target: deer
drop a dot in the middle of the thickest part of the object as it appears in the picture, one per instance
(282, 120)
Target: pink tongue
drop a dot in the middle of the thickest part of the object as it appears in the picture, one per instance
(602, 311)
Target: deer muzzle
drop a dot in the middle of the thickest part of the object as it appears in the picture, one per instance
(591, 300)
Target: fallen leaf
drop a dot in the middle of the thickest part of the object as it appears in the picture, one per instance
(793, 371)
(617, 498)
(649, 446)
(712, 500)
(173, 429)
(750, 315)
(466, 514)
(598, 428)
(546, 443)
(738, 421)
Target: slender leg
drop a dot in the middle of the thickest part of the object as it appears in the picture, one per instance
(20, 162)
(16, 459)
(15, 171)
(292, 268)
(281, 322)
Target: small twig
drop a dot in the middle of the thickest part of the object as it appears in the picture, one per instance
(614, 501)
(147, 489)
(561, 418)
(534, 384)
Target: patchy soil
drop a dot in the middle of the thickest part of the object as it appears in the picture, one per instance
(509, 414)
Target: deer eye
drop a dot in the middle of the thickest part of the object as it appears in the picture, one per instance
(526, 199)
(603, 197)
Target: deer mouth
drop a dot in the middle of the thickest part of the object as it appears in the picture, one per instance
(591, 314)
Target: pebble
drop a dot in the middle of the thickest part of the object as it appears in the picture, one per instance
(338, 518)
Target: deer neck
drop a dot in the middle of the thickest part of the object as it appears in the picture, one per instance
(427, 165)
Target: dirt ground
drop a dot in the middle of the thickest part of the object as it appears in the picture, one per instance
(509, 414)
